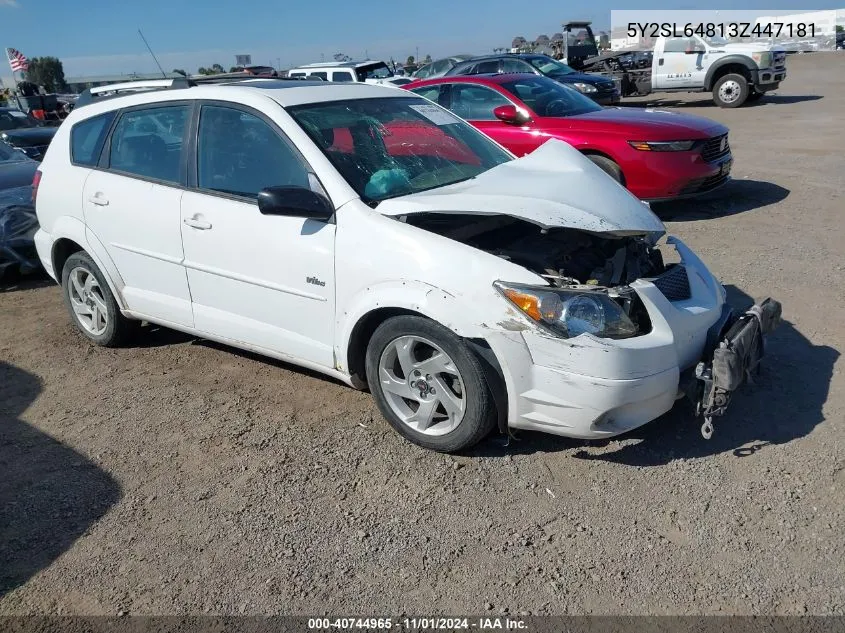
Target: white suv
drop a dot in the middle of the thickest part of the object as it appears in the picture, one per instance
(373, 236)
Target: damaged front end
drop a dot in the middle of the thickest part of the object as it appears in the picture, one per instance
(731, 361)
(588, 275)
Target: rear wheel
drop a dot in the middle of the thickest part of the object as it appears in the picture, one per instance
(608, 166)
(730, 91)
(428, 384)
(91, 305)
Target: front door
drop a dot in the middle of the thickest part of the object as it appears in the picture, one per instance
(267, 281)
(132, 208)
(680, 64)
(476, 103)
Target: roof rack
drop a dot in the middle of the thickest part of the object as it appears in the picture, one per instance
(112, 91)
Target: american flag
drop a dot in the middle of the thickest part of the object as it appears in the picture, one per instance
(17, 61)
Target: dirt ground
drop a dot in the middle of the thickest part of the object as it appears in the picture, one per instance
(183, 477)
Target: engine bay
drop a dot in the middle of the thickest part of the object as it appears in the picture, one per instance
(563, 256)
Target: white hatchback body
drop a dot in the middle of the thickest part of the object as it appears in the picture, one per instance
(198, 257)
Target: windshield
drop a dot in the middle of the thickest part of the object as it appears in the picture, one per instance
(373, 71)
(15, 119)
(549, 66)
(388, 147)
(549, 98)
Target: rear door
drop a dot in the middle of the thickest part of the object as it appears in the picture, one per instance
(132, 208)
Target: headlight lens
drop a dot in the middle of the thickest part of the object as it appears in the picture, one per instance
(582, 87)
(662, 146)
(569, 313)
(762, 59)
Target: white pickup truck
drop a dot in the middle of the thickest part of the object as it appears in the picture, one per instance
(734, 73)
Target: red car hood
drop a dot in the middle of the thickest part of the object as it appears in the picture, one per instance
(645, 124)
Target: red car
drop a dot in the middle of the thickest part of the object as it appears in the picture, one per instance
(657, 155)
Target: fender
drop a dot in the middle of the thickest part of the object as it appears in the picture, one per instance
(74, 229)
(416, 296)
(737, 59)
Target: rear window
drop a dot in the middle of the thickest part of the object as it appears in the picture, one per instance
(321, 75)
(86, 139)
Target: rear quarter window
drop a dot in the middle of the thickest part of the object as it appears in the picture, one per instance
(87, 137)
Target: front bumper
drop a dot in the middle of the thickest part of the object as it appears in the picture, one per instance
(606, 99)
(768, 79)
(588, 387)
(663, 176)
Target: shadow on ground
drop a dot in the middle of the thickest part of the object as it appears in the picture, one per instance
(14, 281)
(737, 196)
(783, 405)
(50, 495)
(707, 101)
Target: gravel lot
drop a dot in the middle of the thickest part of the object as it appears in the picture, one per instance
(183, 477)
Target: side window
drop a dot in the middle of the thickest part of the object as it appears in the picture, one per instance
(323, 76)
(677, 45)
(87, 137)
(342, 76)
(476, 103)
(297, 74)
(491, 66)
(429, 92)
(148, 143)
(515, 66)
(240, 154)
(440, 66)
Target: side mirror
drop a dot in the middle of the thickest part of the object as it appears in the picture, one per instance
(509, 114)
(295, 202)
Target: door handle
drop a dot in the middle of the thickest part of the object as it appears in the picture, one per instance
(197, 222)
(99, 199)
(660, 62)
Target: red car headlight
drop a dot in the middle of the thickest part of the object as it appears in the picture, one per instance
(662, 146)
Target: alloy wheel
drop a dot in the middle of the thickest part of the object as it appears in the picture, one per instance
(87, 300)
(422, 385)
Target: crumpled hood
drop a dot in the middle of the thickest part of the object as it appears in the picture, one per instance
(554, 186)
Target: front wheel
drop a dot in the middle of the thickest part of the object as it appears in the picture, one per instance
(608, 166)
(429, 385)
(730, 91)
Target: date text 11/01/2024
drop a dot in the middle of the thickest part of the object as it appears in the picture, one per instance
(418, 624)
(725, 30)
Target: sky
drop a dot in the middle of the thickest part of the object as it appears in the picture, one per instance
(94, 37)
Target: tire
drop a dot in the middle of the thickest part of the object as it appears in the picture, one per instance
(608, 166)
(104, 325)
(403, 396)
(755, 96)
(730, 91)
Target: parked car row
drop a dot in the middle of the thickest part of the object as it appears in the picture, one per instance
(657, 155)
(24, 132)
(496, 290)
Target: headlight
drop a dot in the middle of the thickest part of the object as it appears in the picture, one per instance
(662, 146)
(763, 59)
(569, 313)
(582, 87)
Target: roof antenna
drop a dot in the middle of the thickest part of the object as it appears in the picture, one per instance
(163, 74)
